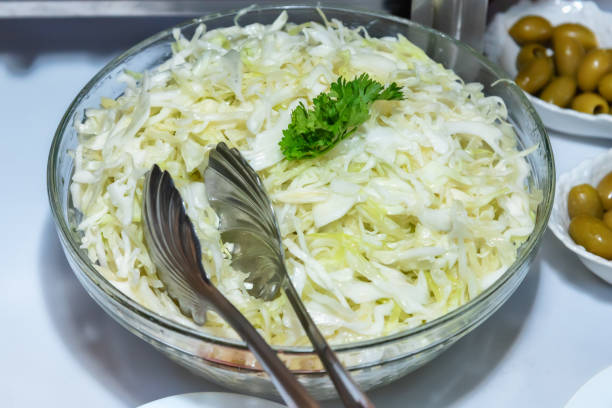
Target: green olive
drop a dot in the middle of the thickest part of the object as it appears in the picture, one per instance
(590, 103)
(604, 188)
(568, 54)
(531, 29)
(593, 67)
(592, 234)
(559, 91)
(584, 200)
(581, 33)
(535, 75)
(607, 219)
(528, 53)
(605, 87)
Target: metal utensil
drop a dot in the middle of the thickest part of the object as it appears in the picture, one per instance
(175, 251)
(247, 220)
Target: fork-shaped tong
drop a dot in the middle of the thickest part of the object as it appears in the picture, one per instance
(247, 220)
(175, 250)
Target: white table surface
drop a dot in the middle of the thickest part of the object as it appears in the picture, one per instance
(59, 349)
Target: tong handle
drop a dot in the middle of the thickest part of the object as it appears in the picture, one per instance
(292, 392)
(347, 389)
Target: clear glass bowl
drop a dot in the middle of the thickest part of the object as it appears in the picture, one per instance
(228, 362)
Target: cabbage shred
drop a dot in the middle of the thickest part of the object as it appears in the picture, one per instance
(414, 215)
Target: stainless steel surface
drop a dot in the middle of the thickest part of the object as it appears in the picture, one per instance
(175, 251)
(464, 20)
(247, 220)
(84, 8)
(134, 8)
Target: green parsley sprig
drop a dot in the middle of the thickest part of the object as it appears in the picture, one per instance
(334, 117)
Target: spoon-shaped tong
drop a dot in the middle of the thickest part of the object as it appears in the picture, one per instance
(247, 220)
(175, 250)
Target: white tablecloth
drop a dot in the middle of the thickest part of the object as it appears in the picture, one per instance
(58, 348)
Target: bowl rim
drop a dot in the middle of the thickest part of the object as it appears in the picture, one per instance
(561, 233)
(133, 306)
(522, 9)
(600, 118)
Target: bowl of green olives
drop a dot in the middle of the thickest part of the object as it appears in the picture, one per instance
(582, 213)
(560, 54)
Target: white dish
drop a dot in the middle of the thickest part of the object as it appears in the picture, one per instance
(211, 400)
(596, 393)
(590, 171)
(501, 48)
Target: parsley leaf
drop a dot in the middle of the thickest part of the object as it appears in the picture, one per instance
(335, 116)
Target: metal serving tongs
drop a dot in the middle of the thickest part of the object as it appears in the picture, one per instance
(175, 250)
(247, 221)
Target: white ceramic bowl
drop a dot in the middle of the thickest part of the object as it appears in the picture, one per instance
(502, 49)
(589, 171)
(211, 400)
(596, 393)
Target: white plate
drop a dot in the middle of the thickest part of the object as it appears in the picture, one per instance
(596, 393)
(590, 171)
(501, 48)
(211, 400)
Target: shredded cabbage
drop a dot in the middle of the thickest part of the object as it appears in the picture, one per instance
(414, 215)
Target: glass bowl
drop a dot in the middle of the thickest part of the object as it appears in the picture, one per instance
(228, 362)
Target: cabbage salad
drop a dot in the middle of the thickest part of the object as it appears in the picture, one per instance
(413, 215)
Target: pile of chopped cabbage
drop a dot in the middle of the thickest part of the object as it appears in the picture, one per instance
(414, 215)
